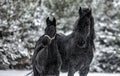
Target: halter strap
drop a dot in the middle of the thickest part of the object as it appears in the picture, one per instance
(50, 38)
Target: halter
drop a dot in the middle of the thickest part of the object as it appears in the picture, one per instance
(50, 38)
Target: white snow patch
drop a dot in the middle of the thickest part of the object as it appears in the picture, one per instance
(24, 72)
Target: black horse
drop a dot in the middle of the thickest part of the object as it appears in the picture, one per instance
(46, 59)
(82, 12)
(77, 48)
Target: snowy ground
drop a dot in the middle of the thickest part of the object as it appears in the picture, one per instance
(23, 73)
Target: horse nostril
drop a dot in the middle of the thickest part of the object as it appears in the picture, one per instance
(81, 44)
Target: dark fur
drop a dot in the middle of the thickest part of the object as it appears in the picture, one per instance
(77, 48)
(46, 58)
(82, 12)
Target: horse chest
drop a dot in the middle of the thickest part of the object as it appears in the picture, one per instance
(78, 54)
(81, 56)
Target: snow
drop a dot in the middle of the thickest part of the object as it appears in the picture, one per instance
(24, 72)
(22, 23)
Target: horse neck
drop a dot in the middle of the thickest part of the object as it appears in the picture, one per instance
(52, 48)
(76, 35)
(53, 43)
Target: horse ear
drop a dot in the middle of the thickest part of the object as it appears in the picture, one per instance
(90, 9)
(54, 21)
(80, 11)
(89, 13)
(48, 21)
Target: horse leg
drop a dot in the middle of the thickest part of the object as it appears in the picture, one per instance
(57, 73)
(35, 72)
(71, 71)
(84, 71)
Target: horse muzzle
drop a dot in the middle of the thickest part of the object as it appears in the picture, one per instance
(81, 44)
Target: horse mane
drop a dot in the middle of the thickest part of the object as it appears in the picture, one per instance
(92, 32)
